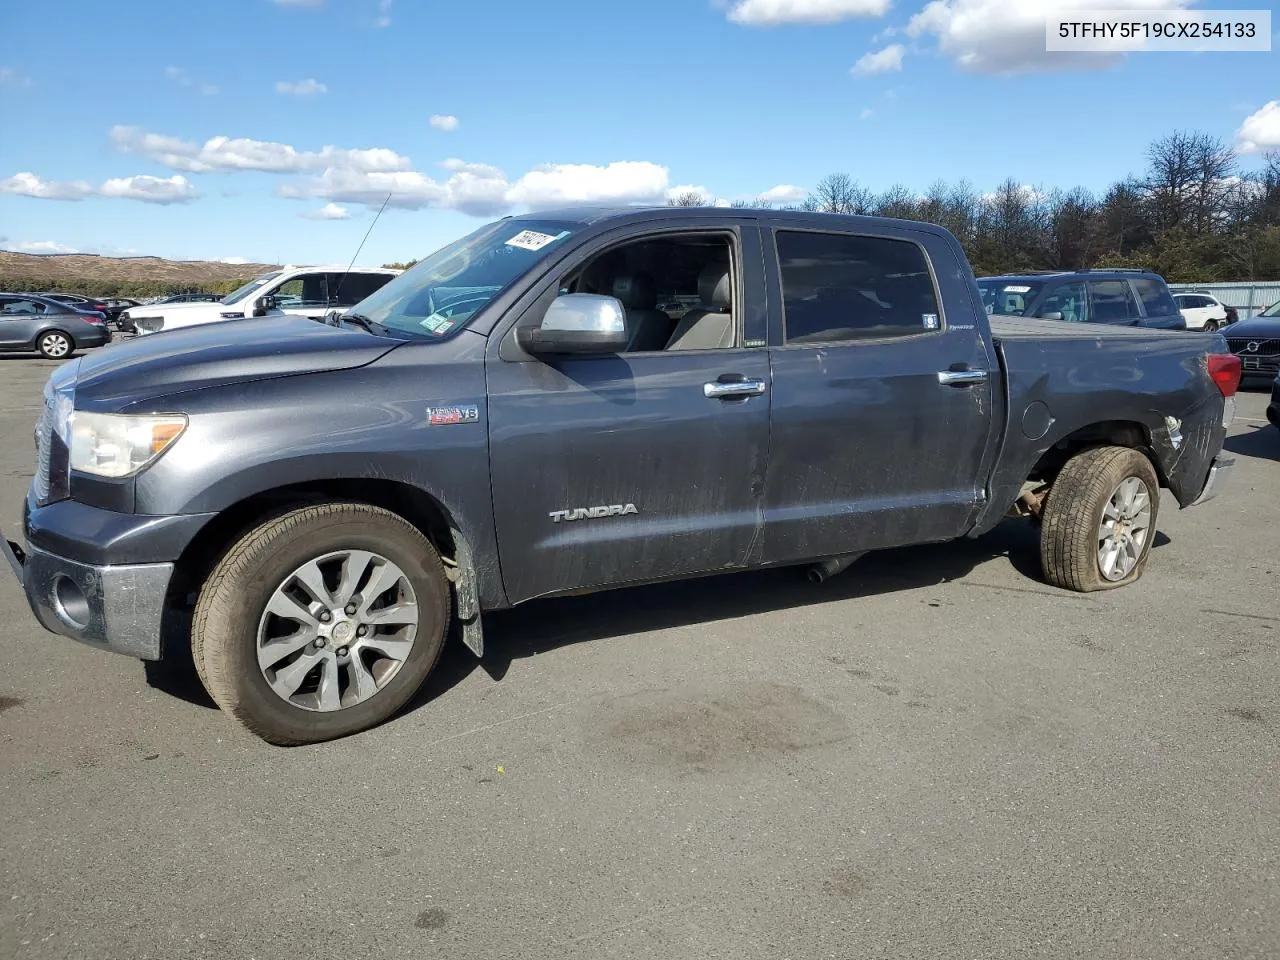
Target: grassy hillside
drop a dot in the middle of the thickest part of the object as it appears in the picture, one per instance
(110, 276)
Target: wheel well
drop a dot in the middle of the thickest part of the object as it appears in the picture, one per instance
(209, 545)
(1109, 433)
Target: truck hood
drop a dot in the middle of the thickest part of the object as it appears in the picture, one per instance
(163, 364)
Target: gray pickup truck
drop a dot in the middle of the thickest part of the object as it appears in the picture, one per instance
(314, 506)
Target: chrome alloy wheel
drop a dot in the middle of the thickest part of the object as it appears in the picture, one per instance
(1124, 530)
(337, 630)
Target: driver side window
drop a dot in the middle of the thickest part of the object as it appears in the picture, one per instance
(677, 293)
(308, 290)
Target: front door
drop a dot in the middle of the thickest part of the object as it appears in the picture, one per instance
(882, 412)
(638, 466)
(19, 321)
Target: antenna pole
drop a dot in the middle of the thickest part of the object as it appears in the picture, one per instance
(361, 247)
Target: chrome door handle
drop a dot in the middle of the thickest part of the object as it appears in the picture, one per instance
(729, 389)
(961, 378)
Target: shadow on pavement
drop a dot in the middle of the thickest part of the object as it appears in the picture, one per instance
(1262, 442)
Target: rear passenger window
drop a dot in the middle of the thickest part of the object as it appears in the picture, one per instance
(1112, 301)
(837, 287)
(1158, 301)
(346, 290)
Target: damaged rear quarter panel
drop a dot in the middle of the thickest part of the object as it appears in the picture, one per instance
(1085, 377)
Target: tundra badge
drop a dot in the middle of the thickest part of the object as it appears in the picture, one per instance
(594, 513)
(437, 416)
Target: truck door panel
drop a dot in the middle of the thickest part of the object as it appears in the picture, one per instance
(883, 390)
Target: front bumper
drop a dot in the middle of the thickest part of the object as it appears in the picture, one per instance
(1219, 470)
(114, 607)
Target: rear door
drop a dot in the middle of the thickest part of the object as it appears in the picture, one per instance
(883, 392)
(20, 320)
(1159, 309)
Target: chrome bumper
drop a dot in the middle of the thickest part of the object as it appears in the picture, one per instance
(117, 608)
(1217, 479)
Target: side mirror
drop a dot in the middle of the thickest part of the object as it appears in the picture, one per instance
(1051, 315)
(265, 303)
(577, 324)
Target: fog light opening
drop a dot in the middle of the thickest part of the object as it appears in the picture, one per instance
(70, 602)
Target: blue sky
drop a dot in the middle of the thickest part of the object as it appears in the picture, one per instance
(271, 130)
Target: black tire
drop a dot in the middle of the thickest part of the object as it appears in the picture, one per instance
(1073, 513)
(1211, 326)
(55, 345)
(225, 626)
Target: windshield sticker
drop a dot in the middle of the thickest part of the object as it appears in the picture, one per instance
(531, 240)
(930, 321)
(1017, 289)
(436, 323)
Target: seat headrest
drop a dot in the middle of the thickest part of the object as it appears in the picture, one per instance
(636, 291)
(713, 286)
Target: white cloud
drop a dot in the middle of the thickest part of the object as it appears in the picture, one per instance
(232, 260)
(225, 153)
(10, 77)
(1006, 37)
(866, 114)
(784, 193)
(43, 246)
(160, 190)
(769, 13)
(444, 121)
(887, 60)
(29, 185)
(1260, 130)
(704, 195)
(483, 190)
(1028, 193)
(330, 211)
(183, 79)
(384, 14)
(301, 88)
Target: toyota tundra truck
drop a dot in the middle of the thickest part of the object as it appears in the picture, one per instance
(309, 508)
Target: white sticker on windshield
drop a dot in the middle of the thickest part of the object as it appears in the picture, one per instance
(530, 240)
(1017, 289)
(930, 321)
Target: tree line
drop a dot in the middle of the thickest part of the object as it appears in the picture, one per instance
(1192, 216)
(130, 289)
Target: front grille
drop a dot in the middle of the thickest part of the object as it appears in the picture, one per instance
(44, 433)
(1257, 356)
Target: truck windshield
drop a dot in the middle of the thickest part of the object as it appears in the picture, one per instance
(1271, 311)
(448, 288)
(1008, 297)
(255, 284)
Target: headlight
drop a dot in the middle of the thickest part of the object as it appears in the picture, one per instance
(119, 445)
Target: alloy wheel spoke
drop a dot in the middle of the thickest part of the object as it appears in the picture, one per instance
(354, 565)
(391, 647)
(327, 693)
(311, 578)
(363, 683)
(288, 679)
(398, 614)
(287, 608)
(385, 576)
(273, 651)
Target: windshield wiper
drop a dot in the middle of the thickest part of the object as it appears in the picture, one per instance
(369, 326)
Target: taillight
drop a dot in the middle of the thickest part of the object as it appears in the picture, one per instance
(1224, 370)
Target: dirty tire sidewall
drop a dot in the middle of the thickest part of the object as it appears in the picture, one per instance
(1073, 512)
(225, 627)
(55, 345)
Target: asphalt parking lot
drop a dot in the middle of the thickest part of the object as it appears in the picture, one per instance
(933, 755)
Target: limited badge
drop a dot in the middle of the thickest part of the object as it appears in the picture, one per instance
(930, 321)
(442, 416)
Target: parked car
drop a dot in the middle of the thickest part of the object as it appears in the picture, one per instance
(116, 306)
(1136, 298)
(1256, 341)
(1203, 311)
(85, 304)
(291, 291)
(514, 418)
(53, 329)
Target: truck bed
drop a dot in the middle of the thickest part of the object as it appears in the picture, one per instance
(1062, 377)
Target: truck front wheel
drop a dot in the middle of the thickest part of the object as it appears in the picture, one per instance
(321, 622)
(1099, 520)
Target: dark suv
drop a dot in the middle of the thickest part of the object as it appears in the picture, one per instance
(1135, 298)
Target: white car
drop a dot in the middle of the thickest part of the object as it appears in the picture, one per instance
(1202, 311)
(289, 291)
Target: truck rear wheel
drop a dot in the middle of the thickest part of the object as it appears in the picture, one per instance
(322, 622)
(1099, 520)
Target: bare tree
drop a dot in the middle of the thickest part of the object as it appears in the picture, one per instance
(897, 202)
(687, 198)
(1072, 229)
(1188, 177)
(838, 193)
